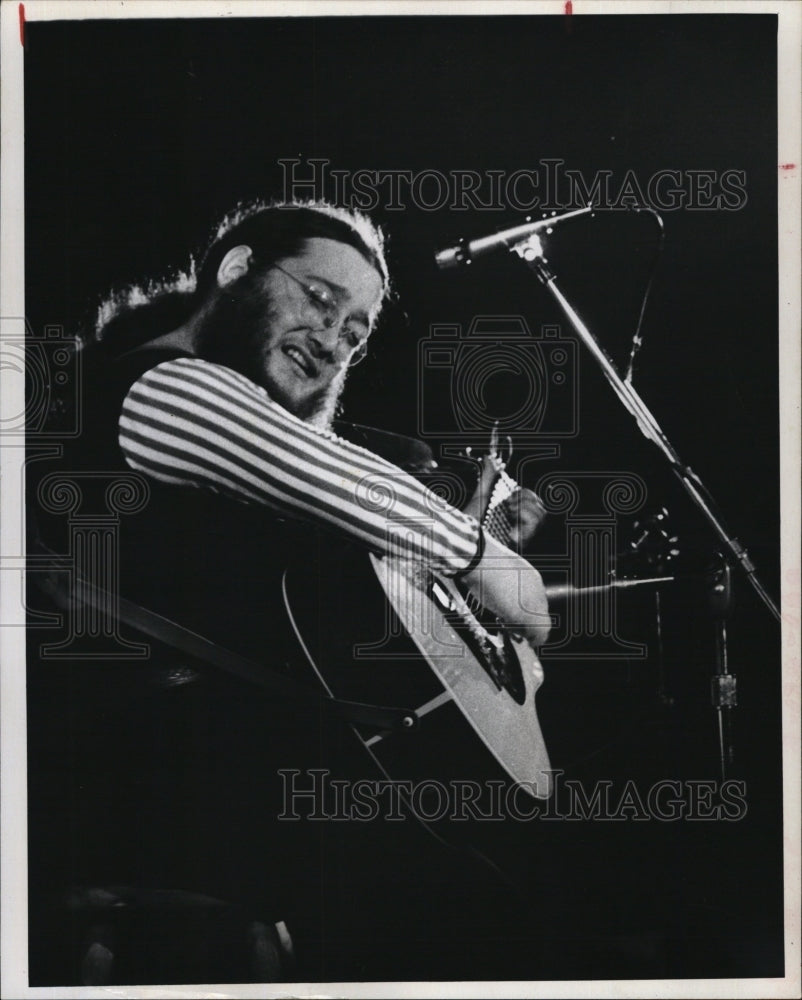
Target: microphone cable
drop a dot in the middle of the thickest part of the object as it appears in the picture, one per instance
(637, 339)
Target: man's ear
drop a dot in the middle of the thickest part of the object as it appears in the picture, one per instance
(235, 263)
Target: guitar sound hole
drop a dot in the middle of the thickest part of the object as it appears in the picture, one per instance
(513, 675)
(489, 643)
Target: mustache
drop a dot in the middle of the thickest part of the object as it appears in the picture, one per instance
(232, 334)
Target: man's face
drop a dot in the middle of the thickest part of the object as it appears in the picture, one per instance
(299, 324)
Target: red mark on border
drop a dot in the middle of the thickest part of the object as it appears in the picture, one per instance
(787, 166)
(22, 24)
(569, 8)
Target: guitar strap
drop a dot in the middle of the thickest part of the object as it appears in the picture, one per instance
(175, 636)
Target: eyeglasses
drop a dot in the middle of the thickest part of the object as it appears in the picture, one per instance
(324, 304)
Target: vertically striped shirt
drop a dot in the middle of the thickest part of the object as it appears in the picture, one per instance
(192, 423)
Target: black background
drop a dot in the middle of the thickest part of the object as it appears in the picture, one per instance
(140, 135)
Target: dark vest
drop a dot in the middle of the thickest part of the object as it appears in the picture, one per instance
(208, 562)
(173, 763)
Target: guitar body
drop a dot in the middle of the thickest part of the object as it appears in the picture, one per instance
(387, 632)
(500, 711)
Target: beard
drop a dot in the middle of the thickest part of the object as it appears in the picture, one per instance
(232, 333)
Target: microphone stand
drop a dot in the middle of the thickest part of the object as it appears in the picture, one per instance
(723, 687)
(723, 692)
(530, 251)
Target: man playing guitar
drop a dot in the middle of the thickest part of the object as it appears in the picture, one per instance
(221, 394)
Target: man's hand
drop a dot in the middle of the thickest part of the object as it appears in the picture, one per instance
(524, 509)
(526, 513)
(508, 586)
(489, 468)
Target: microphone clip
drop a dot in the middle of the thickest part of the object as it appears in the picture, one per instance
(462, 254)
(529, 249)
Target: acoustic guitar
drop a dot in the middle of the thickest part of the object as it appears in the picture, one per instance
(470, 663)
(440, 654)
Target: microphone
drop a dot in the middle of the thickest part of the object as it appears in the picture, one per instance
(464, 253)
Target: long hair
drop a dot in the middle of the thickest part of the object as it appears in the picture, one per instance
(134, 314)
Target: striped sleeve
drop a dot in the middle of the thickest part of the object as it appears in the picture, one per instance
(192, 423)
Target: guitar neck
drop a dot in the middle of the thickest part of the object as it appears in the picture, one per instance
(496, 522)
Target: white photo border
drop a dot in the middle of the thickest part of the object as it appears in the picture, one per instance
(13, 944)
